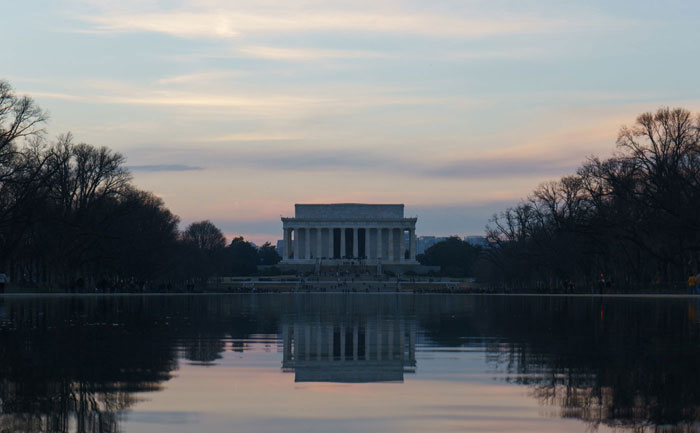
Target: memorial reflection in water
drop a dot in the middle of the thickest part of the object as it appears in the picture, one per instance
(363, 350)
(95, 364)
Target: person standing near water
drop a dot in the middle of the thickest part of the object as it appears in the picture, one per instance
(3, 280)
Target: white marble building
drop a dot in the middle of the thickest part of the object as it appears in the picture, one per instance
(332, 234)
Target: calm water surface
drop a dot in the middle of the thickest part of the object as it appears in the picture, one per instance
(348, 363)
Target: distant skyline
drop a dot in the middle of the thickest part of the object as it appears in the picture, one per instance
(234, 111)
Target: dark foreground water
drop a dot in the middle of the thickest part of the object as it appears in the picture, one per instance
(348, 363)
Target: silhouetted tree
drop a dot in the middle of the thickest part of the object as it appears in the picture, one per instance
(242, 257)
(22, 169)
(87, 186)
(144, 239)
(204, 235)
(204, 250)
(19, 117)
(631, 221)
(70, 217)
(454, 256)
(268, 254)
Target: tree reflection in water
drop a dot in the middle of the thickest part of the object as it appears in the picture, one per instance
(74, 364)
(628, 363)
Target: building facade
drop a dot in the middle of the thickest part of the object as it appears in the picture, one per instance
(335, 234)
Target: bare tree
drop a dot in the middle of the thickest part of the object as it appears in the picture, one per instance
(22, 169)
(19, 117)
(633, 218)
(204, 235)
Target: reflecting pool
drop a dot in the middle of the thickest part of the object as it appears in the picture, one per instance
(348, 363)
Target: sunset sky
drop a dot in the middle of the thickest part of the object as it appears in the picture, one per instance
(234, 111)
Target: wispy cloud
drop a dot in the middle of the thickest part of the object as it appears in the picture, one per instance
(164, 167)
(207, 100)
(133, 96)
(281, 53)
(509, 53)
(320, 99)
(484, 168)
(253, 136)
(227, 23)
(63, 96)
(198, 77)
(368, 161)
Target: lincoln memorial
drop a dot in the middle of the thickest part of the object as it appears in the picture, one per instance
(349, 233)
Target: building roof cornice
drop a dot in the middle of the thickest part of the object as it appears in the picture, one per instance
(349, 220)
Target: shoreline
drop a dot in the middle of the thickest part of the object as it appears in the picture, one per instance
(355, 293)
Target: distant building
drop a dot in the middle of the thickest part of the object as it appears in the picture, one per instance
(477, 241)
(425, 242)
(280, 247)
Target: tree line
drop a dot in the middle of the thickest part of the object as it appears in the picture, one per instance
(628, 222)
(70, 216)
(631, 221)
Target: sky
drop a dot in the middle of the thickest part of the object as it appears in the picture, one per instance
(234, 111)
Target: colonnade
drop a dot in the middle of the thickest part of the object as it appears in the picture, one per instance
(390, 244)
(370, 341)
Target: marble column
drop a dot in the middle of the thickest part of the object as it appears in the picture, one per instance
(330, 242)
(296, 243)
(412, 246)
(287, 341)
(411, 345)
(285, 243)
(342, 342)
(355, 333)
(295, 347)
(379, 340)
(319, 348)
(390, 341)
(307, 243)
(342, 242)
(367, 248)
(368, 337)
(402, 340)
(288, 244)
(318, 243)
(329, 328)
(390, 250)
(355, 246)
(402, 245)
